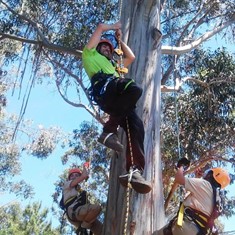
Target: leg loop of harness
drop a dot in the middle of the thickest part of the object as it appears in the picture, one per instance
(200, 220)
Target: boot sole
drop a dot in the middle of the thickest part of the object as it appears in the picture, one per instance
(137, 186)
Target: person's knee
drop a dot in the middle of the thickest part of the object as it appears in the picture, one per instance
(96, 209)
(135, 90)
(88, 212)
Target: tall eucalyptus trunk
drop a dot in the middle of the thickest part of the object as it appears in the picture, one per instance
(140, 25)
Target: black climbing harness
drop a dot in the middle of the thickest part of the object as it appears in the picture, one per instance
(79, 200)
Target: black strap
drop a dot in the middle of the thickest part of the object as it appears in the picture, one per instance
(79, 200)
(167, 230)
(100, 77)
(69, 203)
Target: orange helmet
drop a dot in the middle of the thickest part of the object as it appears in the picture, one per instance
(74, 170)
(221, 176)
(104, 40)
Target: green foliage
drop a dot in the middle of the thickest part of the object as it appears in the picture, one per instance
(185, 22)
(45, 142)
(30, 220)
(202, 117)
(65, 23)
(52, 32)
(205, 110)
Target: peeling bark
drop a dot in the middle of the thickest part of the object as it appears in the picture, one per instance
(139, 19)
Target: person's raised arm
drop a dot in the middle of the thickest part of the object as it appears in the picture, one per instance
(128, 55)
(95, 38)
(179, 176)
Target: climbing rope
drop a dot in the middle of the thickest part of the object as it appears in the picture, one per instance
(127, 209)
(122, 70)
(176, 114)
(129, 179)
(120, 66)
(129, 140)
(120, 10)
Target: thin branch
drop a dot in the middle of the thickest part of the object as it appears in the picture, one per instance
(205, 84)
(95, 114)
(172, 50)
(25, 18)
(16, 38)
(75, 104)
(47, 45)
(200, 8)
(43, 42)
(177, 87)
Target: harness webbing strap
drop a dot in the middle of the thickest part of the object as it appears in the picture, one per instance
(198, 217)
(105, 139)
(70, 201)
(128, 84)
(180, 217)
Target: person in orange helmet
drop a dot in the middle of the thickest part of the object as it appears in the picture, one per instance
(201, 205)
(117, 96)
(80, 213)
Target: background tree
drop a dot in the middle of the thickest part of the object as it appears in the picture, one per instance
(42, 33)
(36, 141)
(30, 220)
(202, 120)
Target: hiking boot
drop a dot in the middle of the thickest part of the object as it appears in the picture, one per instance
(111, 141)
(138, 183)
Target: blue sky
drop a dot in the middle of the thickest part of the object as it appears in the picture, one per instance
(46, 107)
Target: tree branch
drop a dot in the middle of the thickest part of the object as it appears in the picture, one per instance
(75, 104)
(171, 50)
(43, 42)
(205, 84)
(47, 45)
(177, 87)
(25, 18)
(94, 113)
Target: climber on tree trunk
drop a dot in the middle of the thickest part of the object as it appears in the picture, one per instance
(201, 206)
(117, 97)
(79, 211)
